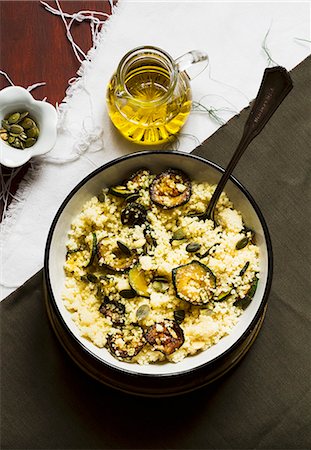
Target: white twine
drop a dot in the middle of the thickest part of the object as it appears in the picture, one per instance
(80, 16)
(34, 86)
(7, 77)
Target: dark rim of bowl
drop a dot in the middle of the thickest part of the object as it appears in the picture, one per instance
(258, 312)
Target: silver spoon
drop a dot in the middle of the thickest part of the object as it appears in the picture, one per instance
(275, 85)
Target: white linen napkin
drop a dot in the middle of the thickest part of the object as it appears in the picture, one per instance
(231, 33)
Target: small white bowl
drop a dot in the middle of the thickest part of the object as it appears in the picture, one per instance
(16, 98)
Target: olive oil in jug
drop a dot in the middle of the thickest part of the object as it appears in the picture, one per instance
(148, 98)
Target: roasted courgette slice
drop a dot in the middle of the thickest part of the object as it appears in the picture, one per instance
(114, 258)
(133, 214)
(223, 296)
(120, 191)
(194, 283)
(127, 342)
(170, 189)
(166, 336)
(139, 179)
(113, 310)
(138, 281)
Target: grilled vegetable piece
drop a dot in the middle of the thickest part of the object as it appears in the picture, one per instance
(133, 214)
(138, 281)
(93, 250)
(120, 191)
(166, 336)
(115, 258)
(127, 342)
(179, 315)
(194, 283)
(138, 179)
(245, 301)
(132, 198)
(114, 310)
(223, 296)
(170, 189)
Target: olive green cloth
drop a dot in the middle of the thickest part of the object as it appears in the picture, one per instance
(47, 402)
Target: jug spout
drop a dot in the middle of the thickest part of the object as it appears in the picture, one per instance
(121, 93)
(191, 58)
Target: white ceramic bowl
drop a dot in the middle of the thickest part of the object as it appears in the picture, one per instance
(112, 173)
(16, 98)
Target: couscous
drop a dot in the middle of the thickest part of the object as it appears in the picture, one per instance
(148, 277)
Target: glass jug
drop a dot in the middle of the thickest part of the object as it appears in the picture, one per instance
(149, 96)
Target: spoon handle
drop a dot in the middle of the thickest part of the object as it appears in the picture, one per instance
(275, 85)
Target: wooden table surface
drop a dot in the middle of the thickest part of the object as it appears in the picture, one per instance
(34, 48)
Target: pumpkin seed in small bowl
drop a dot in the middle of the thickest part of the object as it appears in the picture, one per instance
(27, 126)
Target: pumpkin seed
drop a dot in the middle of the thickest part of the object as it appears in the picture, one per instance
(243, 302)
(6, 125)
(4, 136)
(30, 142)
(142, 312)
(252, 289)
(242, 243)
(92, 278)
(244, 269)
(179, 315)
(23, 130)
(22, 116)
(101, 197)
(124, 249)
(23, 136)
(16, 129)
(193, 247)
(178, 235)
(13, 118)
(16, 143)
(32, 132)
(128, 293)
(28, 123)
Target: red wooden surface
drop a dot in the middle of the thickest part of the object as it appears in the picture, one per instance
(34, 48)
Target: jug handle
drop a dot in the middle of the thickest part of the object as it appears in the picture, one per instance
(187, 60)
